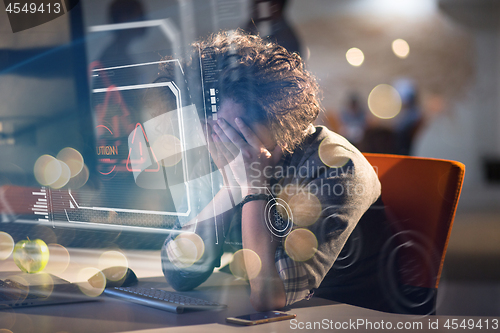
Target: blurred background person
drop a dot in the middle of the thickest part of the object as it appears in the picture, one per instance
(268, 20)
(117, 52)
(353, 120)
(118, 112)
(408, 123)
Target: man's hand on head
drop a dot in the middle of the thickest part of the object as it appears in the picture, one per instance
(249, 158)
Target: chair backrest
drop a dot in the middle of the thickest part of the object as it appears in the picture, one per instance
(421, 197)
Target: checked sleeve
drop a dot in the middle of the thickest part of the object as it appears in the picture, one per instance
(294, 277)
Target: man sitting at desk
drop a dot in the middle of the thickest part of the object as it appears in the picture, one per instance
(283, 170)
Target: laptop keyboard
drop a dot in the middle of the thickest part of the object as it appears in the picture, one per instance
(11, 291)
(161, 299)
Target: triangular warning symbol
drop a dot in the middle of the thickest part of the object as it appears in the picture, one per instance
(135, 165)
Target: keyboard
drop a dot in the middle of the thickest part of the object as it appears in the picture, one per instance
(13, 291)
(161, 299)
(15, 294)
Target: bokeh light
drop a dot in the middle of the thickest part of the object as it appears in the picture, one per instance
(355, 57)
(24, 324)
(114, 259)
(73, 159)
(58, 260)
(44, 283)
(67, 169)
(80, 179)
(63, 178)
(401, 48)
(167, 148)
(406, 9)
(246, 264)
(305, 208)
(23, 286)
(197, 241)
(301, 244)
(333, 155)
(91, 281)
(47, 170)
(185, 252)
(19, 278)
(384, 101)
(286, 194)
(6, 245)
(188, 248)
(8, 319)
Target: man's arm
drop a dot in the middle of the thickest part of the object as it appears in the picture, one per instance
(267, 290)
(249, 158)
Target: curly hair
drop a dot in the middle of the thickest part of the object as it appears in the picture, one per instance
(269, 82)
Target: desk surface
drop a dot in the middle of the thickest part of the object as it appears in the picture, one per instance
(110, 315)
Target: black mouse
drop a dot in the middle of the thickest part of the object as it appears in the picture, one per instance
(117, 276)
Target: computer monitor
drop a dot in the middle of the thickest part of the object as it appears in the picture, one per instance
(45, 98)
(140, 137)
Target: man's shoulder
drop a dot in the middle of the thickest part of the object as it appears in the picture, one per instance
(328, 148)
(328, 157)
(325, 134)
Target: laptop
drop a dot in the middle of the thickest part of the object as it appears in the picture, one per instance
(24, 290)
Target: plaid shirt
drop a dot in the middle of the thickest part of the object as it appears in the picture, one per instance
(294, 277)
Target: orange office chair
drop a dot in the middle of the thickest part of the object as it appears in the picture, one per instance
(420, 196)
